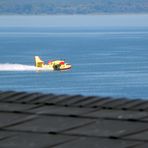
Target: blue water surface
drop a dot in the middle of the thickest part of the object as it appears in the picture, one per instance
(106, 61)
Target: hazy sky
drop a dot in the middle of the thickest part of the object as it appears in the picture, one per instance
(75, 20)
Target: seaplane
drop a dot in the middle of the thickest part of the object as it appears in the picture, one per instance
(51, 65)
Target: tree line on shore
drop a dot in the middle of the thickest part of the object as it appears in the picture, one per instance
(72, 6)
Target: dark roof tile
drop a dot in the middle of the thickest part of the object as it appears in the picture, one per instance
(61, 110)
(87, 142)
(69, 101)
(50, 124)
(7, 119)
(7, 95)
(11, 107)
(139, 136)
(109, 128)
(5, 135)
(117, 114)
(111, 104)
(143, 145)
(33, 140)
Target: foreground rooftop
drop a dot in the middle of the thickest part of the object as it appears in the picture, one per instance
(34, 120)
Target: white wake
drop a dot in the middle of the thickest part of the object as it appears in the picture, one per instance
(19, 67)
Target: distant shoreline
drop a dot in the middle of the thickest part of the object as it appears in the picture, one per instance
(101, 20)
(91, 14)
(72, 7)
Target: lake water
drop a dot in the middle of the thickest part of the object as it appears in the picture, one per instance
(106, 61)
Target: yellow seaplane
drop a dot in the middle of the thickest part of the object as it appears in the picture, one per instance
(52, 65)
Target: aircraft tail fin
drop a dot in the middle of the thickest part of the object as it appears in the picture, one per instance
(38, 61)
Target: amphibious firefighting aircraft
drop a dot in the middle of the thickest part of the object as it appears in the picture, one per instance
(52, 65)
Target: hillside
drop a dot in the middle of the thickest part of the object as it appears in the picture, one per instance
(72, 6)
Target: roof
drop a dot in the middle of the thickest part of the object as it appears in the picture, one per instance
(36, 120)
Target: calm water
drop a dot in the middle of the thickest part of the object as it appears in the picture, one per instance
(107, 61)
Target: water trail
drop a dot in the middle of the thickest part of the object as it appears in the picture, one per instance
(19, 67)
